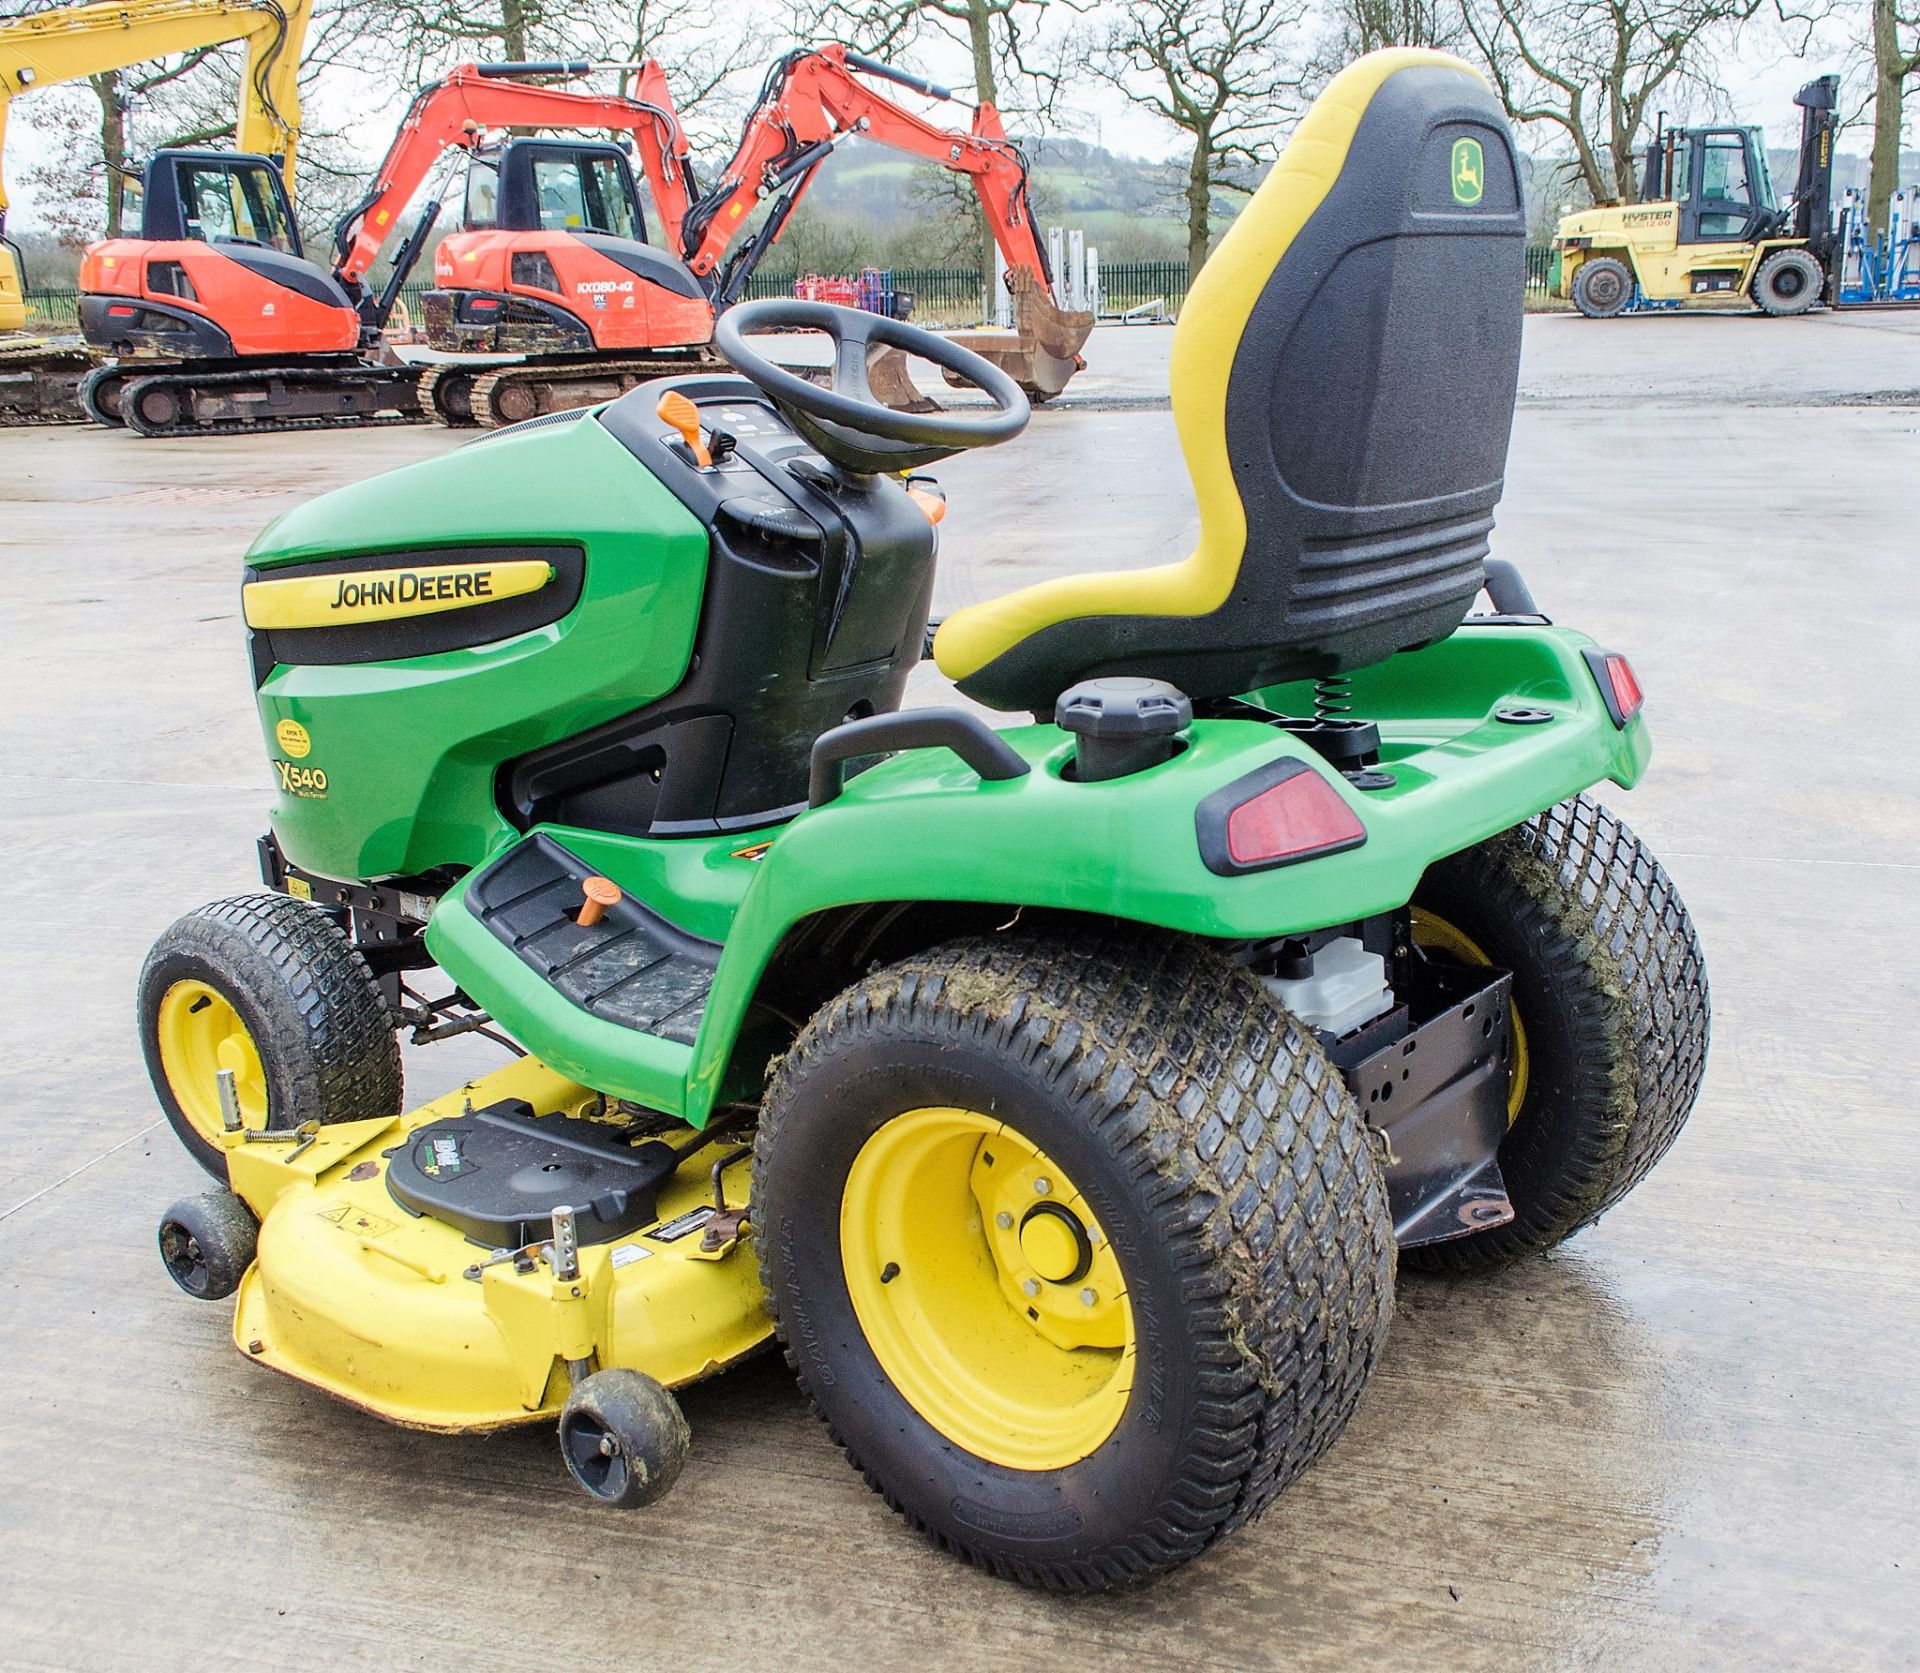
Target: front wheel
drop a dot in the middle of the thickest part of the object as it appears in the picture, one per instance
(1078, 1245)
(1789, 282)
(1610, 1016)
(269, 989)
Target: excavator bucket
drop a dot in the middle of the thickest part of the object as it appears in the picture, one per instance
(1040, 354)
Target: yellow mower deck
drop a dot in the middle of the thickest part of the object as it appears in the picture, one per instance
(355, 1295)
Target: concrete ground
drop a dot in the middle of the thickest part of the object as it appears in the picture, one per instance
(1687, 1440)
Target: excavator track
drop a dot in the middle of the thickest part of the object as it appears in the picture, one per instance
(514, 393)
(40, 381)
(263, 400)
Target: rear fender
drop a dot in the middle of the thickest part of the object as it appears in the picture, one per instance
(922, 827)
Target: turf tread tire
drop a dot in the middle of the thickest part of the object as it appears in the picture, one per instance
(310, 1001)
(1250, 1159)
(1577, 905)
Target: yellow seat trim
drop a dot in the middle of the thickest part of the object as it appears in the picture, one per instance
(1216, 313)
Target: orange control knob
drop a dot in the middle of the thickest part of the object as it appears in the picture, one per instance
(601, 892)
(676, 410)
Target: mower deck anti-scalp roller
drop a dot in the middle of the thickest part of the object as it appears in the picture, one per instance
(1059, 1094)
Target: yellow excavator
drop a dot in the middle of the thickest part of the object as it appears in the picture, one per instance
(39, 377)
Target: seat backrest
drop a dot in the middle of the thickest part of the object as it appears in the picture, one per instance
(1343, 377)
(1344, 371)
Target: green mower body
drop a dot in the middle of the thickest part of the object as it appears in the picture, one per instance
(1494, 724)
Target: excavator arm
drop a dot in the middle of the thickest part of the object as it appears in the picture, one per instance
(456, 110)
(812, 100)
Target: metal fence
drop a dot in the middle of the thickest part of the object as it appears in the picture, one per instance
(941, 295)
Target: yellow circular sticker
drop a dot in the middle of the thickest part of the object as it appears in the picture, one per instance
(292, 737)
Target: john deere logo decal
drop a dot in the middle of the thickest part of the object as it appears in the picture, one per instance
(1469, 171)
(384, 595)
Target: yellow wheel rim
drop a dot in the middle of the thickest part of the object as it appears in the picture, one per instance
(200, 1034)
(1432, 934)
(986, 1289)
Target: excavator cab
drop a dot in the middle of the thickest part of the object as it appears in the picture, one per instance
(216, 273)
(219, 197)
(535, 185)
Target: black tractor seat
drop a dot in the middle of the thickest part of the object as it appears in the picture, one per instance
(1343, 381)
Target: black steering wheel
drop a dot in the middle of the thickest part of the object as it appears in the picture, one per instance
(844, 420)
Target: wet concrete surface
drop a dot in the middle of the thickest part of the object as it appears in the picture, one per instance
(1687, 1440)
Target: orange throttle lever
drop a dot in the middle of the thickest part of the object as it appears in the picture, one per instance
(599, 893)
(676, 411)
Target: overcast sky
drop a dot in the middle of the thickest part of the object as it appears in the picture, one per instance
(1761, 73)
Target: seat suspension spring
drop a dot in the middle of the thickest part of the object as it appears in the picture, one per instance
(1333, 697)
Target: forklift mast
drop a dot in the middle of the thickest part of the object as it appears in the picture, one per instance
(1813, 190)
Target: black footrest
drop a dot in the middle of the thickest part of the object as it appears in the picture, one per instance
(632, 967)
(498, 1174)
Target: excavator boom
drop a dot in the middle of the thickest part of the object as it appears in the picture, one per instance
(72, 42)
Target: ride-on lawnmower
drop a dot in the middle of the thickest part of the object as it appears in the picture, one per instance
(1057, 1094)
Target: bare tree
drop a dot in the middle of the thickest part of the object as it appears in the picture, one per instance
(1363, 26)
(1222, 72)
(1596, 69)
(1896, 59)
(708, 49)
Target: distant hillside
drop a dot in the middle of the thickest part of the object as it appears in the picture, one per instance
(874, 206)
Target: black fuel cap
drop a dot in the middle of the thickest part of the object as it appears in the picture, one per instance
(1121, 724)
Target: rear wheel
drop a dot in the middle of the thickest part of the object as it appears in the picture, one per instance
(1602, 288)
(1079, 1247)
(1610, 1014)
(269, 988)
(1789, 282)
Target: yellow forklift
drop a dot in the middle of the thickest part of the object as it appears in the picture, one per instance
(1707, 230)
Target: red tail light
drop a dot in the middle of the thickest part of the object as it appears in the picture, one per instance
(1283, 813)
(119, 310)
(1618, 688)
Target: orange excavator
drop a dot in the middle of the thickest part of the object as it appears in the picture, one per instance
(546, 268)
(220, 323)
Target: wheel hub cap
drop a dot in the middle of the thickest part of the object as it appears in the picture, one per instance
(200, 1033)
(987, 1289)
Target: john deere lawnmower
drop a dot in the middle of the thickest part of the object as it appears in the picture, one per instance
(1059, 1094)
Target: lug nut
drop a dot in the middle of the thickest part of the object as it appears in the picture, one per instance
(1003, 1220)
(1031, 1286)
(1042, 1186)
(1088, 1298)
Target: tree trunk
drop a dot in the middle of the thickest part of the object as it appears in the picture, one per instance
(113, 145)
(986, 88)
(513, 31)
(1890, 70)
(1199, 201)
